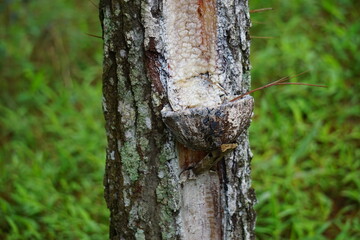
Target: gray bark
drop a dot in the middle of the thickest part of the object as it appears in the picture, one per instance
(150, 188)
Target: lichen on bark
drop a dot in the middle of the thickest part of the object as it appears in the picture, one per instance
(142, 186)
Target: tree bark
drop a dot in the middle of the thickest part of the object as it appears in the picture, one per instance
(159, 184)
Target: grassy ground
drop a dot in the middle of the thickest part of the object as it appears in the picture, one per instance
(306, 168)
(52, 136)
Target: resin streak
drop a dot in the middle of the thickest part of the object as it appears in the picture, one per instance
(192, 53)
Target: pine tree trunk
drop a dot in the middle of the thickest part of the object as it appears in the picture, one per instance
(162, 58)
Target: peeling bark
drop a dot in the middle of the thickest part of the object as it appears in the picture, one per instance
(150, 189)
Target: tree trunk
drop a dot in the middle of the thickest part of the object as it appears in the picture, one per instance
(178, 155)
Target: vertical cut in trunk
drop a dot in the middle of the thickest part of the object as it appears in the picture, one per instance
(196, 77)
(178, 63)
(191, 38)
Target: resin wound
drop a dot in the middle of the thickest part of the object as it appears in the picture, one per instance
(210, 127)
(190, 27)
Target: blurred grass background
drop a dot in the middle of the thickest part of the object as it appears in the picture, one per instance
(306, 168)
(52, 136)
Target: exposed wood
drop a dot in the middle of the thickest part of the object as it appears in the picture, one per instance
(191, 52)
(150, 189)
(210, 161)
(188, 157)
(200, 206)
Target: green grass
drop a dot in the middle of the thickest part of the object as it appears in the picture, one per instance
(306, 141)
(52, 136)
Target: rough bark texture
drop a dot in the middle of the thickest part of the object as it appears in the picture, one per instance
(144, 189)
(208, 128)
